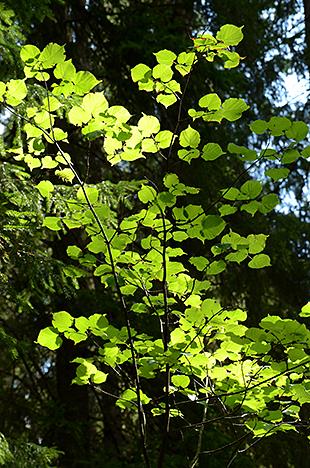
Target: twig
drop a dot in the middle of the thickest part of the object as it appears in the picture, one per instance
(114, 273)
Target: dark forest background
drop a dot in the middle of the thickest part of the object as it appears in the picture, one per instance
(44, 420)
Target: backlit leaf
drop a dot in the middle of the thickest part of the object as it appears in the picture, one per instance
(49, 338)
(165, 56)
(298, 131)
(260, 261)
(139, 71)
(189, 138)
(62, 321)
(52, 223)
(162, 72)
(251, 188)
(45, 188)
(182, 381)
(148, 125)
(52, 54)
(211, 151)
(230, 34)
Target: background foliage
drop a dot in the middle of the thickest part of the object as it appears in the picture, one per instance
(110, 39)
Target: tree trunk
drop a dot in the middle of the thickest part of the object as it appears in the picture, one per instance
(73, 433)
(307, 32)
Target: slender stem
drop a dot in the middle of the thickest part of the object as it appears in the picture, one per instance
(115, 276)
(257, 385)
(195, 459)
(166, 338)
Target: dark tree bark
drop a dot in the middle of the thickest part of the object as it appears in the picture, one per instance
(74, 431)
(307, 32)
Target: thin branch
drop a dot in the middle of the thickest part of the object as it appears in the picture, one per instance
(195, 459)
(166, 336)
(115, 276)
(240, 392)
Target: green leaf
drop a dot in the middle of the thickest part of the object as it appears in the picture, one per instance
(216, 267)
(199, 262)
(32, 131)
(65, 71)
(58, 134)
(49, 338)
(231, 59)
(260, 261)
(166, 99)
(185, 62)
(66, 174)
(84, 82)
(99, 377)
(82, 324)
(226, 210)
(189, 138)
(231, 194)
(129, 396)
(210, 101)
(233, 109)
(32, 162)
(51, 103)
(251, 207)
(212, 151)
(269, 202)
(171, 180)
(97, 245)
(16, 92)
(188, 155)
(172, 87)
(257, 243)
(278, 125)
(164, 138)
(298, 131)
(52, 54)
(277, 173)
(62, 321)
(166, 199)
(249, 155)
(238, 256)
(212, 226)
(78, 116)
(148, 125)
(148, 145)
(251, 188)
(29, 53)
(74, 252)
(139, 71)
(306, 152)
(162, 72)
(300, 393)
(131, 154)
(165, 56)
(120, 112)
(259, 126)
(180, 236)
(305, 310)
(52, 223)
(230, 34)
(2, 90)
(147, 194)
(290, 156)
(48, 162)
(45, 188)
(91, 193)
(77, 337)
(181, 381)
(95, 103)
